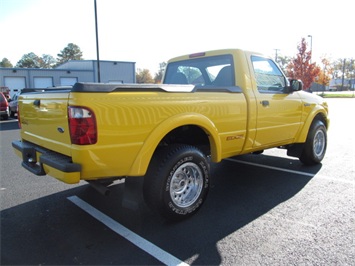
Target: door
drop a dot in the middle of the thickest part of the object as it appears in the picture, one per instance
(15, 83)
(42, 82)
(278, 111)
(68, 81)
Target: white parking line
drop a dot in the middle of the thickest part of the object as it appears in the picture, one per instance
(271, 167)
(135, 239)
(341, 180)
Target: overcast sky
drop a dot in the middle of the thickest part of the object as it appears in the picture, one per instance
(149, 32)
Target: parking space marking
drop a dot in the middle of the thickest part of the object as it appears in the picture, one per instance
(135, 239)
(341, 180)
(271, 167)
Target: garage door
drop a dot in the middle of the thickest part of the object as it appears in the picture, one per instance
(15, 83)
(42, 82)
(68, 81)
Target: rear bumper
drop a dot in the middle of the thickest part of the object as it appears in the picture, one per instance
(40, 161)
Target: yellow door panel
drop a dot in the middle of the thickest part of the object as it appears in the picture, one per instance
(278, 112)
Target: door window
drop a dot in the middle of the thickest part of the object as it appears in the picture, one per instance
(269, 77)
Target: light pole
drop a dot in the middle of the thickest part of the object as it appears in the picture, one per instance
(276, 50)
(97, 45)
(310, 36)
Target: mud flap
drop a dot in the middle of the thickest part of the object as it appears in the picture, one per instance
(295, 150)
(133, 193)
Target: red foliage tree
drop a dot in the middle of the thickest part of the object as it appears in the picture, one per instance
(301, 66)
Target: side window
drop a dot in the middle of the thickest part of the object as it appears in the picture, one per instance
(269, 77)
(2, 98)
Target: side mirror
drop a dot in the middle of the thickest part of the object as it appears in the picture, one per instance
(296, 85)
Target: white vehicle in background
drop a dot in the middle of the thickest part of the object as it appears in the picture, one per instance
(13, 104)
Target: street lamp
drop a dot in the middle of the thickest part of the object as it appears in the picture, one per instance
(97, 45)
(310, 36)
(276, 50)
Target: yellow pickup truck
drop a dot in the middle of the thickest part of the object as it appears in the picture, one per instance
(210, 106)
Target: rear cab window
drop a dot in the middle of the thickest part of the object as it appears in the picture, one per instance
(206, 71)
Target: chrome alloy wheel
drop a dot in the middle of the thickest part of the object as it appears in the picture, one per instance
(319, 143)
(186, 185)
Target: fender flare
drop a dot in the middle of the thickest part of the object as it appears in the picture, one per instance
(317, 113)
(141, 163)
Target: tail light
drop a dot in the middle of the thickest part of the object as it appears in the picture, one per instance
(82, 125)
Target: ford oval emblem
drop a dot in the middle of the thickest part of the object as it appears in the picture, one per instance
(60, 130)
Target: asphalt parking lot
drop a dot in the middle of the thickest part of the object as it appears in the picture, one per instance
(264, 209)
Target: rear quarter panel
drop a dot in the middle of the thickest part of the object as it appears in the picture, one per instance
(131, 124)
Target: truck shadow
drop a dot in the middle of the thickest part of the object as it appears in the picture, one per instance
(51, 230)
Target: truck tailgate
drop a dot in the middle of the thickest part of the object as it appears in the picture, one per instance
(44, 120)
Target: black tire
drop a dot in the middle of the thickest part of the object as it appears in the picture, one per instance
(316, 144)
(177, 181)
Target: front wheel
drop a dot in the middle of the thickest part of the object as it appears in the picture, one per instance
(177, 181)
(316, 144)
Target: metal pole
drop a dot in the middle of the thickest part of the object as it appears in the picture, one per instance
(343, 75)
(311, 46)
(97, 46)
(276, 50)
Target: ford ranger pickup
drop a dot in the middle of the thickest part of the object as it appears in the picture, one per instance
(210, 106)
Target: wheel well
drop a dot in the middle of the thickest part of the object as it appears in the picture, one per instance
(188, 134)
(321, 118)
(295, 150)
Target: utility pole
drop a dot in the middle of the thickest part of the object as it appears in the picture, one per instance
(276, 50)
(343, 75)
(97, 46)
(311, 46)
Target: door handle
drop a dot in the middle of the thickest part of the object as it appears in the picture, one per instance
(265, 103)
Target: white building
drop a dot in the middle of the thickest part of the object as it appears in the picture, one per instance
(67, 74)
(337, 84)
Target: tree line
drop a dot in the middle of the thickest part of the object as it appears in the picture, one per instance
(31, 60)
(73, 52)
(298, 67)
(301, 67)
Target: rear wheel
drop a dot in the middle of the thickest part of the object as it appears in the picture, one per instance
(177, 181)
(316, 144)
